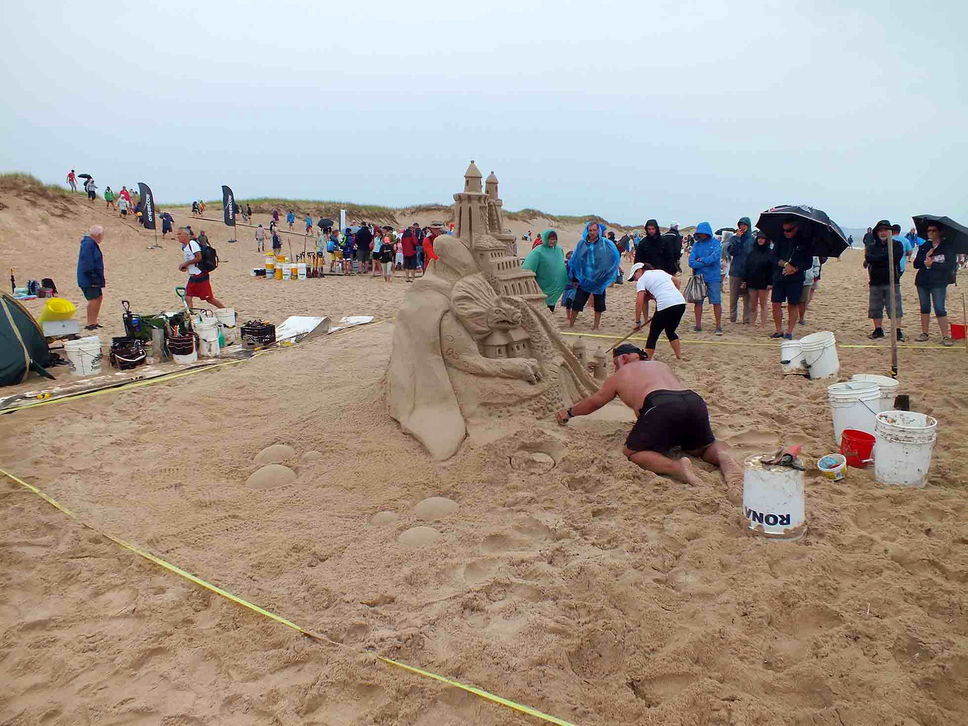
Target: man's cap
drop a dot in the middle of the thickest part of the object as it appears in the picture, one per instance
(883, 224)
(635, 268)
(761, 234)
(628, 349)
(674, 225)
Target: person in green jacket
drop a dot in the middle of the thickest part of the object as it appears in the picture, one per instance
(109, 198)
(547, 262)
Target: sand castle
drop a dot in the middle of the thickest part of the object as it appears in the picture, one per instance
(474, 343)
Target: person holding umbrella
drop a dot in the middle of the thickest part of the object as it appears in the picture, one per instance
(879, 278)
(793, 257)
(936, 263)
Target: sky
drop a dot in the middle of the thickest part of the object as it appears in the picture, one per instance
(678, 110)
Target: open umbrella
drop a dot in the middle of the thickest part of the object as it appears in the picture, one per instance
(326, 222)
(825, 235)
(85, 176)
(725, 229)
(954, 232)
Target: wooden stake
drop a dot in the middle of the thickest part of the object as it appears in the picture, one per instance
(892, 303)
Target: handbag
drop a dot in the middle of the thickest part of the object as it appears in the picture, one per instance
(695, 291)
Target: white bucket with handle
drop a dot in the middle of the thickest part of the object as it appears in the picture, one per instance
(853, 405)
(903, 446)
(773, 499)
(227, 320)
(820, 354)
(888, 387)
(791, 358)
(207, 330)
(84, 355)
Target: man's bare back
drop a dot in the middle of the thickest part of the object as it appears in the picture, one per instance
(634, 381)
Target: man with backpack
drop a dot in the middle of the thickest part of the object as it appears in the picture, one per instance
(198, 263)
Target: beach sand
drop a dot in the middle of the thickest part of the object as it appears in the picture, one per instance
(592, 591)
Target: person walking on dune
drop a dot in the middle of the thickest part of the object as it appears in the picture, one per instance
(669, 416)
(72, 180)
(167, 223)
(260, 239)
(199, 284)
(90, 274)
(291, 219)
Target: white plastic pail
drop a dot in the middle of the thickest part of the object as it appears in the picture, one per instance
(227, 320)
(820, 354)
(903, 444)
(84, 355)
(773, 500)
(791, 357)
(853, 405)
(301, 270)
(207, 330)
(888, 387)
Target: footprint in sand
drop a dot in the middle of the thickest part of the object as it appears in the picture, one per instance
(433, 508)
(275, 454)
(271, 476)
(418, 537)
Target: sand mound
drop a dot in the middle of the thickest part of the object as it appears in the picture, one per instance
(271, 476)
(310, 456)
(533, 462)
(418, 536)
(384, 517)
(433, 508)
(275, 454)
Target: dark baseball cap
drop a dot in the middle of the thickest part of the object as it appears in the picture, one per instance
(628, 349)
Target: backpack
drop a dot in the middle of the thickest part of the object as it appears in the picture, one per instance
(209, 259)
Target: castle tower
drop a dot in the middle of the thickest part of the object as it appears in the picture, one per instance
(490, 186)
(469, 207)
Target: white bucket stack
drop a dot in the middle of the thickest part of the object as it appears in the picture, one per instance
(207, 330)
(888, 388)
(773, 499)
(227, 321)
(84, 355)
(820, 354)
(903, 445)
(853, 405)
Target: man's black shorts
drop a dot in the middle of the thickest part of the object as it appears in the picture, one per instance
(669, 419)
(581, 297)
(409, 262)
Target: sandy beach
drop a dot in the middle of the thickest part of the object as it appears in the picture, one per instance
(591, 590)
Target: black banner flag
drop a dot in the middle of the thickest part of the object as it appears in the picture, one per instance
(228, 206)
(147, 206)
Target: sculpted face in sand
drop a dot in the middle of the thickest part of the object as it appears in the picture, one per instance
(473, 342)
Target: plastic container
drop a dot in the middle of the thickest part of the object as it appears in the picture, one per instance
(301, 270)
(182, 349)
(833, 466)
(888, 387)
(857, 447)
(208, 332)
(277, 273)
(853, 405)
(820, 354)
(84, 355)
(57, 308)
(791, 357)
(227, 320)
(904, 443)
(958, 331)
(773, 499)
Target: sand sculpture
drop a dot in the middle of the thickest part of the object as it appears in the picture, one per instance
(474, 342)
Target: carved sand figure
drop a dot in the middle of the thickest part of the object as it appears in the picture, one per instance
(474, 343)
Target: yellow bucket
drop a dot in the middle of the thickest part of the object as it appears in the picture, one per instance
(57, 308)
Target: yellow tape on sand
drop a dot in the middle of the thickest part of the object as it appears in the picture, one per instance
(520, 708)
(745, 344)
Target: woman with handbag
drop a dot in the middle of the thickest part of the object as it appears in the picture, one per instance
(704, 259)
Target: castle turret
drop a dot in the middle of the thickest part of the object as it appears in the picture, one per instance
(472, 179)
(490, 187)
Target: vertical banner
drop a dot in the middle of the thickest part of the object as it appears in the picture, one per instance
(147, 206)
(228, 206)
(342, 221)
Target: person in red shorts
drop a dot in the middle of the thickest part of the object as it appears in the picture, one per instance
(198, 282)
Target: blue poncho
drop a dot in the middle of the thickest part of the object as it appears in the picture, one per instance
(594, 264)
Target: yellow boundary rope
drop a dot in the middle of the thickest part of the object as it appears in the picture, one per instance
(520, 708)
(758, 345)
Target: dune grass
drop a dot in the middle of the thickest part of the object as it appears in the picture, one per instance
(21, 181)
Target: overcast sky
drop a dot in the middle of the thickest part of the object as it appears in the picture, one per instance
(673, 109)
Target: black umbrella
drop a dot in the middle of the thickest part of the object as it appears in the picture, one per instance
(387, 227)
(826, 236)
(955, 233)
(725, 229)
(326, 222)
(85, 176)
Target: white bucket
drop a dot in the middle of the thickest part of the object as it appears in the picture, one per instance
(853, 405)
(820, 354)
(84, 355)
(903, 444)
(227, 320)
(185, 359)
(207, 330)
(888, 387)
(791, 357)
(773, 500)
(301, 270)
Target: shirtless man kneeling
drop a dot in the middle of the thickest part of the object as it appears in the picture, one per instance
(669, 415)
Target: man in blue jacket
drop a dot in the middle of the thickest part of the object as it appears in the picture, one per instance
(90, 274)
(794, 255)
(705, 259)
(738, 249)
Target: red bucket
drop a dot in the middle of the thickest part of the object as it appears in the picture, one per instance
(957, 331)
(856, 446)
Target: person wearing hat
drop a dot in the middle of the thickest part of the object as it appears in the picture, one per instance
(670, 305)
(738, 249)
(669, 416)
(793, 257)
(879, 278)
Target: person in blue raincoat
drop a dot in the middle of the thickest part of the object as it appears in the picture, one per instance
(704, 259)
(594, 266)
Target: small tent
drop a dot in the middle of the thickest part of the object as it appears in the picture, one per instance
(23, 347)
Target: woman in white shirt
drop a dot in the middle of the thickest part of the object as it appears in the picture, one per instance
(669, 305)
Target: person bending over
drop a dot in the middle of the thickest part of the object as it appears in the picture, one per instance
(669, 415)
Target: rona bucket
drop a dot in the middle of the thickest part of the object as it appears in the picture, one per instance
(853, 405)
(888, 387)
(856, 446)
(227, 320)
(773, 499)
(791, 358)
(820, 354)
(904, 443)
(833, 466)
(84, 355)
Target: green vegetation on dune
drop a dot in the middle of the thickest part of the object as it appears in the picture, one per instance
(21, 181)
